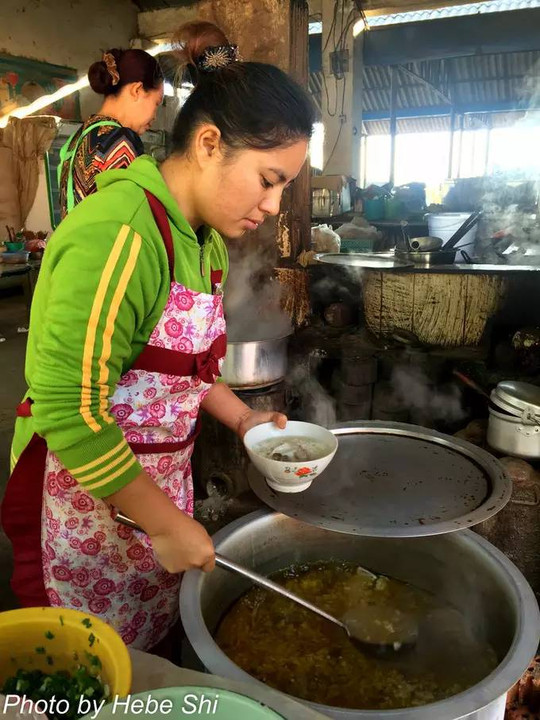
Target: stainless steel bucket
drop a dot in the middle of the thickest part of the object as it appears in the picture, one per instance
(462, 567)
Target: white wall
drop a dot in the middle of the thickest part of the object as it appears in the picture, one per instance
(160, 24)
(71, 33)
(66, 32)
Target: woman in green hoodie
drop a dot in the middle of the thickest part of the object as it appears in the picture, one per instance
(126, 340)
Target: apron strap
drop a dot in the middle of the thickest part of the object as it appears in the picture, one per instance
(216, 278)
(24, 409)
(172, 362)
(162, 221)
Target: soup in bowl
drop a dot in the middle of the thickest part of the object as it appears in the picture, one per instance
(292, 458)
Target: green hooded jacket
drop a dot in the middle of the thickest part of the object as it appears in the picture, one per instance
(103, 285)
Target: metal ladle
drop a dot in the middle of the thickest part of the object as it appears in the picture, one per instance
(361, 627)
(366, 627)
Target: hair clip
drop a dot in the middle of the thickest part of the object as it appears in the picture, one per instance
(112, 69)
(217, 57)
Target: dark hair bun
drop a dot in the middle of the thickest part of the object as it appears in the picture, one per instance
(192, 39)
(120, 67)
(99, 78)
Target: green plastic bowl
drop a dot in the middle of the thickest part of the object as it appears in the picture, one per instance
(189, 700)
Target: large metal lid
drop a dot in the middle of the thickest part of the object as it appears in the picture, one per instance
(396, 480)
(519, 399)
(373, 261)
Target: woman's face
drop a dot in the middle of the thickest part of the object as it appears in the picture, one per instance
(238, 191)
(142, 106)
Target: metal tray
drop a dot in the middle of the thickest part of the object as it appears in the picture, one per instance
(371, 261)
(396, 480)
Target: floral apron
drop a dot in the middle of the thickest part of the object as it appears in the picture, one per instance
(68, 549)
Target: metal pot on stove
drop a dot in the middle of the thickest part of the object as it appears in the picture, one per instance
(254, 364)
(473, 574)
(392, 501)
(514, 419)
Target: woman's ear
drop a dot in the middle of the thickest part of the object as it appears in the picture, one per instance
(207, 145)
(136, 90)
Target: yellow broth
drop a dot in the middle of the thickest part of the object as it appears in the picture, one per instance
(301, 654)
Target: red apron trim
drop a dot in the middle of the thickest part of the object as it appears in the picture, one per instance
(138, 448)
(166, 447)
(171, 362)
(24, 409)
(162, 221)
(21, 520)
(216, 278)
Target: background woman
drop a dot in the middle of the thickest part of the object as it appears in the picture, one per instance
(132, 84)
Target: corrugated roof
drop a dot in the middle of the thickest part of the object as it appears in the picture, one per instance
(491, 6)
(441, 123)
(500, 82)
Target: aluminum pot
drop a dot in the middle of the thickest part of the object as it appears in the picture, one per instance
(461, 567)
(255, 363)
(514, 419)
(510, 435)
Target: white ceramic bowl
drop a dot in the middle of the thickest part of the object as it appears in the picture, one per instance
(286, 476)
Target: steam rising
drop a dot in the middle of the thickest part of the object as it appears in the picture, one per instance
(426, 401)
(253, 296)
(316, 405)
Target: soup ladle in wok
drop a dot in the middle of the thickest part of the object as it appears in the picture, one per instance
(371, 628)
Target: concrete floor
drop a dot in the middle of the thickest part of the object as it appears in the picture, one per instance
(12, 387)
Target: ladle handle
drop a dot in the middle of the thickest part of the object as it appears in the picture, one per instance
(274, 587)
(260, 580)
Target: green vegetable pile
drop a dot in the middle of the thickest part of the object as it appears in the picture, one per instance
(37, 685)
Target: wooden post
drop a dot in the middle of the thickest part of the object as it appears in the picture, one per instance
(275, 31)
(299, 198)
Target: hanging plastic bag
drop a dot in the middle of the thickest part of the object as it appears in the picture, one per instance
(324, 239)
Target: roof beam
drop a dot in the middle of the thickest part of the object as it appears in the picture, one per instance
(425, 82)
